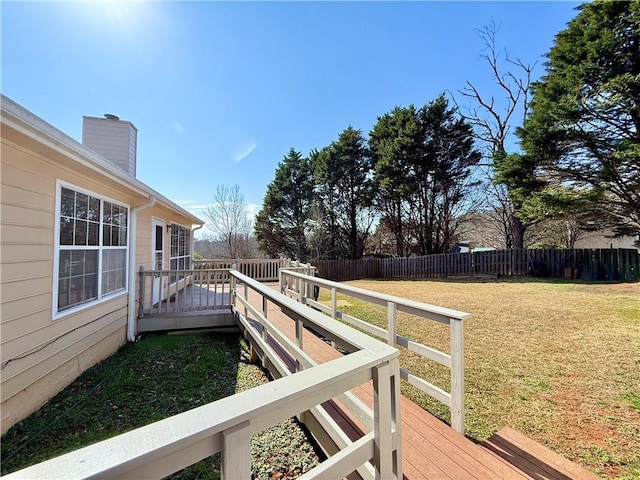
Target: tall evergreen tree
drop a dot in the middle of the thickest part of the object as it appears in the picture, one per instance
(281, 223)
(345, 187)
(395, 146)
(584, 125)
(423, 164)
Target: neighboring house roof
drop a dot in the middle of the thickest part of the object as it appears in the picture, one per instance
(19, 118)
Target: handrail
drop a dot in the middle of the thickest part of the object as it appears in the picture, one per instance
(299, 287)
(226, 426)
(386, 411)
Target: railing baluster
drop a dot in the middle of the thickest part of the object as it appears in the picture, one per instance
(334, 302)
(392, 323)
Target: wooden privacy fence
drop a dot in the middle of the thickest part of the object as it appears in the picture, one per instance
(587, 264)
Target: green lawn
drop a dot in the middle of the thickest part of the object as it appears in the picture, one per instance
(557, 360)
(147, 381)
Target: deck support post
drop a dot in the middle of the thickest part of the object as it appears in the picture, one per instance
(457, 374)
(236, 452)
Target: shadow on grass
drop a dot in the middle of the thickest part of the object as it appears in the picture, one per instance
(144, 382)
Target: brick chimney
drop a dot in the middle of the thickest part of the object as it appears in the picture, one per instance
(114, 139)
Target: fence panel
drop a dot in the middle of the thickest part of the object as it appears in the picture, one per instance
(588, 264)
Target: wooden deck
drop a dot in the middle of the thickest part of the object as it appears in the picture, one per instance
(433, 450)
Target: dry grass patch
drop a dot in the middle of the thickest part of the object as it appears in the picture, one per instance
(558, 361)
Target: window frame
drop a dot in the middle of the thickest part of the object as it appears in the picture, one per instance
(100, 248)
(173, 280)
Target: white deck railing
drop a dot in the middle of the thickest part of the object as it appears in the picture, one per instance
(179, 291)
(261, 269)
(226, 426)
(300, 286)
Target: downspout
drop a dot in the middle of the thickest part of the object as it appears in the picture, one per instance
(133, 226)
(193, 238)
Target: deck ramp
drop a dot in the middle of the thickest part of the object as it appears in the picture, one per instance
(431, 449)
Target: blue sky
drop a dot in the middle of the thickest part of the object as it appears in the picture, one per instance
(220, 91)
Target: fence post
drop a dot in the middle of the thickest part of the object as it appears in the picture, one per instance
(457, 374)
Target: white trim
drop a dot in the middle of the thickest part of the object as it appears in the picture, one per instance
(56, 314)
(133, 239)
(155, 221)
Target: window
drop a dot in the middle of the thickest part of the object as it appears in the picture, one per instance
(92, 248)
(180, 258)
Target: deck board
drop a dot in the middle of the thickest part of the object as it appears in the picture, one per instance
(534, 458)
(431, 449)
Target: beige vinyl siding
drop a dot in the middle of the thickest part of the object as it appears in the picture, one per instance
(40, 355)
(36, 350)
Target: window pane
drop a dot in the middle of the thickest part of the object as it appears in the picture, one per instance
(93, 237)
(82, 205)
(94, 209)
(63, 293)
(90, 261)
(90, 287)
(123, 237)
(105, 283)
(67, 203)
(80, 233)
(174, 264)
(158, 237)
(76, 263)
(64, 267)
(106, 216)
(106, 235)
(123, 217)
(66, 231)
(114, 236)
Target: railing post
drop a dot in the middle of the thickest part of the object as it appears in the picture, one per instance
(236, 452)
(246, 298)
(232, 288)
(382, 408)
(299, 332)
(396, 419)
(392, 323)
(457, 374)
(141, 286)
(280, 281)
(334, 303)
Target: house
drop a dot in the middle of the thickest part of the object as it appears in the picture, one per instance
(76, 226)
(606, 239)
